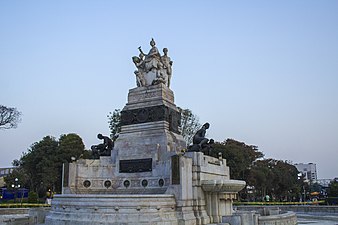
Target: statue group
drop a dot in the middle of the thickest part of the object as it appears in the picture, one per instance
(152, 68)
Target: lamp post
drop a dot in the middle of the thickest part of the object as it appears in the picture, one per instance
(300, 178)
(16, 186)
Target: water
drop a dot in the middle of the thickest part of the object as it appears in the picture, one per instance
(316, 222)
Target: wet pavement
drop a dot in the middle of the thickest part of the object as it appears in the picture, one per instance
(316, 222)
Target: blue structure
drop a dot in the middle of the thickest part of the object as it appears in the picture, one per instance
(6, 194)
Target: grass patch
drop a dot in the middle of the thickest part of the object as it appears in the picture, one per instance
(22, 205)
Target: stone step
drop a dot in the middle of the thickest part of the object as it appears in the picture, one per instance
(218, 224)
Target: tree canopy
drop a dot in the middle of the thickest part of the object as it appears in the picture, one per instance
(239, 156)
(189, 124)
(9, 117)
(40, 168)
(333, 188)
(276, 178)
(114, 119)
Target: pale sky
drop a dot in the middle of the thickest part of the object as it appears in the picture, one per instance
(261, 72)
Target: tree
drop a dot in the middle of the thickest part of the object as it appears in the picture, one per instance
(114, 120)
(239, 156)
(333, 188)
(276, 178)
(9, 117)
(20, 174)
(260, 177)
(70, 145)
(189, 124)
(42, 164)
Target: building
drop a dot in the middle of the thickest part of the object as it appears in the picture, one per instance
(309, 170)
(3, 173)
(324, 182)
(6, 171)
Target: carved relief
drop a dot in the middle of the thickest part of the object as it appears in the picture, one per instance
(152, 114)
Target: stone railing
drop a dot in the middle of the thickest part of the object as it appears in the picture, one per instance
(23, 216)
(261, 216)
(286, 218)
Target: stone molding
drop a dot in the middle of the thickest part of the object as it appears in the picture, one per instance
(152, 95)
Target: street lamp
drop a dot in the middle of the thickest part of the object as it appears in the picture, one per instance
(16, 186)
(300, 178)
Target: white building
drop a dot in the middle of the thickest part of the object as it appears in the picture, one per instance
(309, 170)
(324, 182)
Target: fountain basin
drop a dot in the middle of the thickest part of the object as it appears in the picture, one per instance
(223, 185)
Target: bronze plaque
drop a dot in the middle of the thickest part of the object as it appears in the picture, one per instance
(136, 165)
(65, 175)
(175, 169)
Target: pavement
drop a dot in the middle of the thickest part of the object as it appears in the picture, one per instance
(318, 216)
(14, 219)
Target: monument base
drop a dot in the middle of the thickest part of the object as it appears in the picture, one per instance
(199, 192)
(115, 209)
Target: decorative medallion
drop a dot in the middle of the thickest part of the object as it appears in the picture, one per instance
(86, 183)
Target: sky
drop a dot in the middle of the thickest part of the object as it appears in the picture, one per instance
(260, 72)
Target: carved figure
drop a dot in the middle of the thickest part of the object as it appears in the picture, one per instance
(103, 149)
(200, 142)
(152, 68)
(140, 81)
(199, 137)
(152, 60)
(167, 63)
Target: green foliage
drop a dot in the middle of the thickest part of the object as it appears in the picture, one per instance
(189, 124)
(315, 188)
(33, 197)
(114, 119)
(70, 145)
(41, 166)
(276, 178)
(87, 154)
(239, 156)
(333, 189)
(20, 174)
(41, 163)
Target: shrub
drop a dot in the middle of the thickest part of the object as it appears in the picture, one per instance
(33, 197)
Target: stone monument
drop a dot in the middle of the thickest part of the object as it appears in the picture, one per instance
(147, 179)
